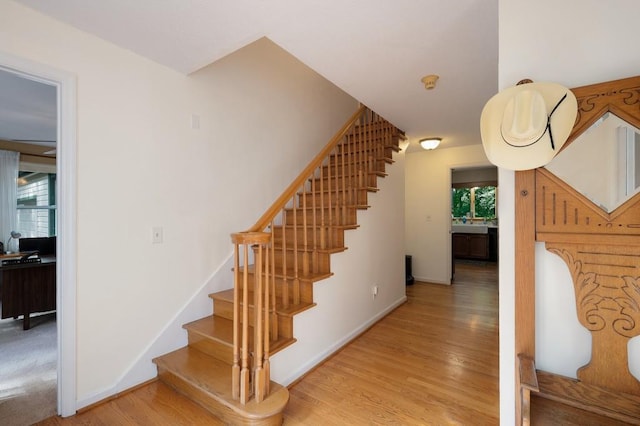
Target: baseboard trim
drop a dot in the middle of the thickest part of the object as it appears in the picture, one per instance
(431, 280)
(115, 396)
(324, 356)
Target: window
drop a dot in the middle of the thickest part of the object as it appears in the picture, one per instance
(475, 202)
(36, 204)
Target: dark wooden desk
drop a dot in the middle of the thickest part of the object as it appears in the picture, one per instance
(28, 288)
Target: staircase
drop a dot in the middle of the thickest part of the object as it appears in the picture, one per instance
(225, 367)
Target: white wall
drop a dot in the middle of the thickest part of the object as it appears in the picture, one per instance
(428, 208)
(345, 304)
(262, 115)
(574, 43)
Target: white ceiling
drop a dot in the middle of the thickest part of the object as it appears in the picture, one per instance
(27, 110)
(375, 50)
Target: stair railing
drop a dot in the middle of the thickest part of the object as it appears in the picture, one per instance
(289, 236)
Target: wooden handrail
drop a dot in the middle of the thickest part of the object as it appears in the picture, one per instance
(280, 203)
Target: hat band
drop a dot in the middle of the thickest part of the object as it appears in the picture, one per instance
(547, 128)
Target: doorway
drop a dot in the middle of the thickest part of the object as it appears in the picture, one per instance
(474, 223)
(65, 86)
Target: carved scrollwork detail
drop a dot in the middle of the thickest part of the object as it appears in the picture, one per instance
(585, 284)
(590, 302)
(597, 306)
(631, 95)
(628, 326)
(588, 103)
(585, 105)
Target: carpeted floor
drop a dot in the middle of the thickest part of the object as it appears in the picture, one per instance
(28, 380)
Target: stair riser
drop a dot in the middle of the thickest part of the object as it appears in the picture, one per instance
(352, 142)
(224, 309)
(350, 197)
(339, 171)
(222, 351)
(355, 158)
(377, 150)
(316, 262)
(306, 289)
(350, 156)
(343, 216)
(332, 237)
(219, 350)
(227, 415)
(326, 184)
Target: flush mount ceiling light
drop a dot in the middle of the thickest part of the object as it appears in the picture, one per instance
(430, 143)
(429, 81)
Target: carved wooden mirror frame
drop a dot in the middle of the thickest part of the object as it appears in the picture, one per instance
(602, 251)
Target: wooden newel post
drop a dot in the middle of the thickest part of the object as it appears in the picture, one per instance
(243, 373)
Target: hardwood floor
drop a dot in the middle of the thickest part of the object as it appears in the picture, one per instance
(432, 361)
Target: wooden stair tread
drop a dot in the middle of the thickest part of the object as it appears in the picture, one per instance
(327, 210)
(308, 191)
(301, 249)
(290, 274)
(355, 174)
(221, 330)
(213, 378)
(617, 405)
(292, 309)
(227, 296)
(301, 226)
(311, 277)
(356, 161)
(395, 147)
(350, 206)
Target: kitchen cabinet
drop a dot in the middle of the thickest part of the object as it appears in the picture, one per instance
(470, 246)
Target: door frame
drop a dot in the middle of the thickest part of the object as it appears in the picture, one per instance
(66, 170)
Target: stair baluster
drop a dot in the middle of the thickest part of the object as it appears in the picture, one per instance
(285, 280)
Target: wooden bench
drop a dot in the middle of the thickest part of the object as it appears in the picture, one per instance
(596, 399)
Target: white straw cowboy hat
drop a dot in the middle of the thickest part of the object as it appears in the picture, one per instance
(524, 127)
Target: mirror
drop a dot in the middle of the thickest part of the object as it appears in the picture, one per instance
(609, 171)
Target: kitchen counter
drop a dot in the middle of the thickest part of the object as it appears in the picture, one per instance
(475, 228)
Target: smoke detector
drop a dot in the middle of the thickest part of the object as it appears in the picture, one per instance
(429, 81)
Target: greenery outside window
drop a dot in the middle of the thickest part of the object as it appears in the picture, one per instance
(476, 202)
